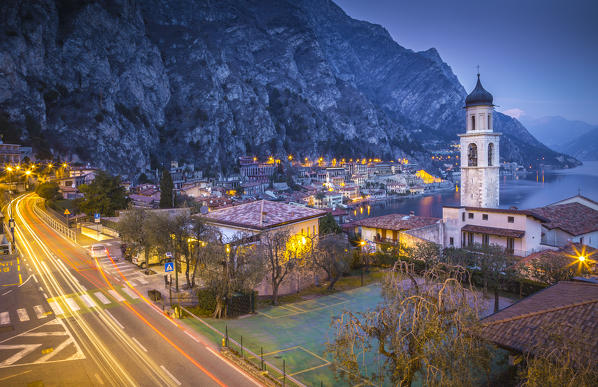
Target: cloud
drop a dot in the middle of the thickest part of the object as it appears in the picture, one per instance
(515, 112)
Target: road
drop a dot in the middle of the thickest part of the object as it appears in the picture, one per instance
(67, 321)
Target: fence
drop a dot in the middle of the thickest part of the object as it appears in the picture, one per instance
(252, 354)
(55, 224)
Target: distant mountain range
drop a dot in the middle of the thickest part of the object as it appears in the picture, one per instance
(130, 85)
(576, 138)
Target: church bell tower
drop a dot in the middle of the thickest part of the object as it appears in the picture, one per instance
(479, 152)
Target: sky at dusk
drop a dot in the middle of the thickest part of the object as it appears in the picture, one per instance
(538, 56)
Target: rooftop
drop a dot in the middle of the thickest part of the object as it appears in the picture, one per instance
(573, 218)
(262, 214)
(570, 306)
(513, 211)
(396, 222)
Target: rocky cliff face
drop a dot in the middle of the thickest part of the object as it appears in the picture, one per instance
(127, 84)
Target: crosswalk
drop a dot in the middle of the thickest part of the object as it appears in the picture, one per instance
(68, 305)
(130, 271)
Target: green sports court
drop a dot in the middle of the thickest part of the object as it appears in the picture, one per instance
(296, 333)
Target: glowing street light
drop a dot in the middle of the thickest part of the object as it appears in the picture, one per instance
(9, 169)
(581, 258)
(27, 172)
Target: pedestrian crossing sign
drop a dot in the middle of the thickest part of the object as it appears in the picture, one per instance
(168, 267)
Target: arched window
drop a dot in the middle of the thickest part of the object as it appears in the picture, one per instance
(489, 121)
(472, 155)
(472, 122)
(490, 153)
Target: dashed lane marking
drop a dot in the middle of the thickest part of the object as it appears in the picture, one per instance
(103, 299)
(72, 304)
(171, 375)
(88, 301)
(4, 318)
(39, 312)
(56, 308)
(115, 320)
(23, 316)
(130, 293)
(139, 344)
(116, 295)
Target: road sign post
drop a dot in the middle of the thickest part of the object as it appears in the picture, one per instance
(67, 213)
(11, 224)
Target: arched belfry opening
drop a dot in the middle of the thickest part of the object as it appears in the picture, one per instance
(472, 155)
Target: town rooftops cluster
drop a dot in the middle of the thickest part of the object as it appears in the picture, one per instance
(397, 222)
(262, 214)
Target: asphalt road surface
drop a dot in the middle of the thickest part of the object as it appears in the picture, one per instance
(66, 321)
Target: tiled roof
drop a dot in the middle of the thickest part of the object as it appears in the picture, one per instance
(262, 214)
(505, 232)
(396, 222)
(573, 218)
(570, 306)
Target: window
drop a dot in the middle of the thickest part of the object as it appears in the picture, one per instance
(489, 121)
(484, 216)
(581, 240)
(510, 245)
(463, 217)
(470, 215)
(451, 241)
(472, 155)
(472, 122)
(490, 154)
(511, 219)
(485, 239)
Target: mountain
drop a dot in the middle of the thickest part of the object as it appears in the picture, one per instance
(131, 85)
(555, 131)
(584, 147)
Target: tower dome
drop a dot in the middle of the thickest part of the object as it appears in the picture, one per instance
(479, 96)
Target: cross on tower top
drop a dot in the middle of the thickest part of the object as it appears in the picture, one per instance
(478, 67)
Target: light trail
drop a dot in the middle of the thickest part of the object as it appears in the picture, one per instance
(119, 374)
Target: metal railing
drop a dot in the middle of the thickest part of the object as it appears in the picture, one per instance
(55, 223)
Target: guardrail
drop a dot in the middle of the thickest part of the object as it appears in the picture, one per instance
(55, 224)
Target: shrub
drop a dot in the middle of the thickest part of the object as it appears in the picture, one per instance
(206, 302)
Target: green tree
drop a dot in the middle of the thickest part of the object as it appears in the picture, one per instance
(134, 231)
(49, 191)
(329, 226)
(166, 189)
(332, 255)
(104, 195)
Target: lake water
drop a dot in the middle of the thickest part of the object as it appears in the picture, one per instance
(533, 190)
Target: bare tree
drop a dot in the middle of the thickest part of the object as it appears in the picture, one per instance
(282, 253)
(424, 329)
(227, 268)
(495, 266)
(550, 269)
(331, 254)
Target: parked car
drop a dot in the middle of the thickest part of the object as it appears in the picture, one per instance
(98, 251)
(153, 259)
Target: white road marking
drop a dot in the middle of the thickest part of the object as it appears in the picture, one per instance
(88, 301)
(115, 320)
(139, 344)
(59, 348)
(23, 316)
(143, 281)
(171, 375)
(35, 279)
(41, 289)
(25, 350)
(56, 308)
(103, 299)
(72, 304)
(45, 295)
(39, 311)
(116, 295)
(4, 318)
(191, 336)
(131, 281)
(5, 293)
(131, 293)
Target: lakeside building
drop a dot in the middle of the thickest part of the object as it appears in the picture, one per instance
(10, 153)
(478, 219)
